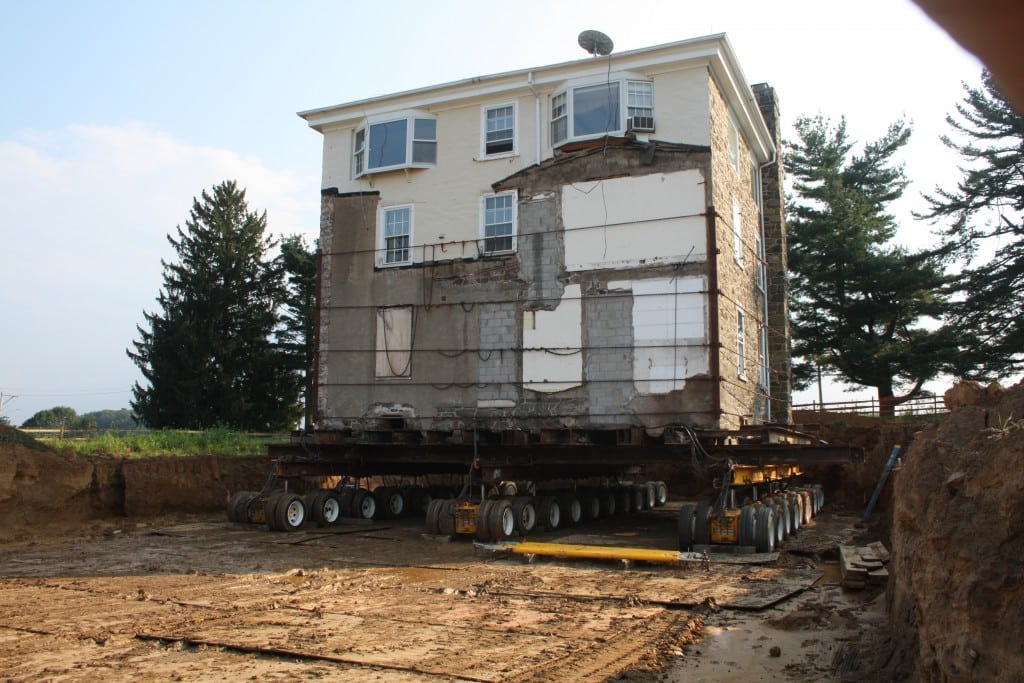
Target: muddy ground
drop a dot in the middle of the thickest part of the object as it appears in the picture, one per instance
(197, 598)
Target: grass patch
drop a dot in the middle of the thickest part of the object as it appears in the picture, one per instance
(222, 442)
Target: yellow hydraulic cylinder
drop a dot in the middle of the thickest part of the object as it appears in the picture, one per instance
(600, 552)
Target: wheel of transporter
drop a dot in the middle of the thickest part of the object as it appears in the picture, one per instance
(608, 503)
(525, 514)
(780, 529)
(395, 503)
(821, 498)
(549, 513)
(572, 510)
(483, 520)
(808, 505)
(590, 506)
(795, 515)
(446, 517)
(290, 512)
(701, 530)
(685, 527)
(269, 507)
(623, 500)
(764, 529)
(500, 520)
(651, 500)
(363, 505)
(430, 518)
(661, 497)
(639, 492)
(238, 506)
(781, 506)
(747, 524)
(325, 507)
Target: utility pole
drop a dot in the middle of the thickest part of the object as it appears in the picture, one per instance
(4, 400)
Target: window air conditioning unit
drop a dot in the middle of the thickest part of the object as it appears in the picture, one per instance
(640, 124)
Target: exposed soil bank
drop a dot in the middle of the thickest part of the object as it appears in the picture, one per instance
(957, 583)
(40, 486)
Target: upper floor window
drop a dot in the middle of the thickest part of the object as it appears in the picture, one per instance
(741, 343)
(407, 142)
(737, 233)
(499, 222)
(734, 144)
(640, 105)
(499, 128)
(610, 108)
(396, 234)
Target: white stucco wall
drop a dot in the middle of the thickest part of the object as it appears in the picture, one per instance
(628, 222)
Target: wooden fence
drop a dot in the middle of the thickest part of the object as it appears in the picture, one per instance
(921, 405)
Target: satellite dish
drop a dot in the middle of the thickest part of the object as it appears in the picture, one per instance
(596, 43)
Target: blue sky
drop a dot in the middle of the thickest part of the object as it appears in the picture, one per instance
(117, 114)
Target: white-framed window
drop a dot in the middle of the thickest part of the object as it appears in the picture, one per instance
(396, 235)
(741, 343)
(755, 183)
(640, 105)
(734, 144)
(760, 276)
(499, 128)
(597, 109)
(403, 142)
(498, 214)
(762, 357)
(394, 342)
(559, 118)
(737, 233)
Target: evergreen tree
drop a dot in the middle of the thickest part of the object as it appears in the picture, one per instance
(58, 417)
(857, 300)
(986, 211)
(210, 356)
(298, 336)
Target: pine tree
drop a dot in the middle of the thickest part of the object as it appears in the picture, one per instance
(210, 356)
(986, 211)
(857, 300)
(298, 335)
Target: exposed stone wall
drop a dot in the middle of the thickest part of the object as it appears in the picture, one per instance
(776, 252)
(736, 280)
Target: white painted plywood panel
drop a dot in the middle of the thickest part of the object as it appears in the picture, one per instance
(552, 356)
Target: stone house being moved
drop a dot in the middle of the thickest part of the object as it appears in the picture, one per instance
(590, 246)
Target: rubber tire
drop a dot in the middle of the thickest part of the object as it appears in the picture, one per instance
(269, 507)
(525, 512)
(623, 501)
(363, 505)
(501, 521)
(446, 517)
(483, 520)
(747, 525)
(590, 506)
(701, 528)
(685, 527)
(639, 493)
(238, 506)
(764, 529)
(549, 513)
(325, 507)
(290, 512)
(661, 495)
(430, 519)
(608, 503)
(571, 509)
(808, 508)
(782, 510)
(795, 512)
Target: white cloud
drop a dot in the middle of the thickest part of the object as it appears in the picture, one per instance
(84, 214)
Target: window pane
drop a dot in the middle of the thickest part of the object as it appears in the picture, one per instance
(498, 223)
(387, 144)
(396, 235)
(559, 121)
(595, 109)
(640, 98)
(500, 133)
(424, 152)
(425, 129)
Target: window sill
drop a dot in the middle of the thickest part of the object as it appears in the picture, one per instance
(500, 155)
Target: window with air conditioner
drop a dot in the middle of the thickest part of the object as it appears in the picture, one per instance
(609, 108)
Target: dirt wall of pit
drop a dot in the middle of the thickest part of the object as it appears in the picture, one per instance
(39, 485)
(956, 588)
